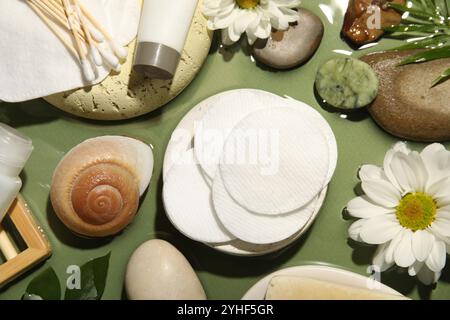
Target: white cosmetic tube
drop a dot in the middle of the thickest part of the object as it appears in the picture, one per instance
(163, 30)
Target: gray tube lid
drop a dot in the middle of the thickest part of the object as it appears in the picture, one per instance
(156, 60)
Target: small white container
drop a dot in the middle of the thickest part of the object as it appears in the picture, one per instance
(15, 149)
(163, 30)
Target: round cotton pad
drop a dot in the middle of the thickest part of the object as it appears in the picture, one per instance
(181, 139)
(275, 161)
(241, 248)
(257, 228)
(188, 203)
(320, 122)
(214, 128)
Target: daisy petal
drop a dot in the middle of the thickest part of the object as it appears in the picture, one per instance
(444, 213)
(370, 172)
(362, 207)
(422, 243)
(440, 191)
(398, 147)
(436, 260)
(409, 171)
(428, 277)
(355, 229)
(415, 268)
(380, 229)
(436, 159)
(381, 192)
(378, 259)
(442, 226)
(391, 248)
(403, 255)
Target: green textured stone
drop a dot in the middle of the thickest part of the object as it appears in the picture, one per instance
(347, 83)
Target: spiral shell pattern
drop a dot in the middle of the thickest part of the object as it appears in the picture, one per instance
(103, 192)
(96, 187)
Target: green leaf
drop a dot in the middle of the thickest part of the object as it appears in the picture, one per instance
(427, 43)
(414, 12)
(93, 280)
(441, 8)
(443, 52)
(428, 28)
(444, 76)
(45, 286)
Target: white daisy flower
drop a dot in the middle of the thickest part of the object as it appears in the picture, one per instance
(406, 210)
(256, 18)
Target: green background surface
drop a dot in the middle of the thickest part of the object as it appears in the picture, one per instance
(359, 139)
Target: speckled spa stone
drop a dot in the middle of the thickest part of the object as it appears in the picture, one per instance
(346, 83)
(130, 94)
(290, 48)
(406, 106)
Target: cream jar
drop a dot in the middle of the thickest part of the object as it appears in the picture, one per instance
(163, 30)
(15, 149)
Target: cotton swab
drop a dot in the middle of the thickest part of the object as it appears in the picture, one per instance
(120, 51)
(52, 27)
(93, 51)
(109, 58)
(6, 245)
(60, 18)
(87, 33)
(85, 64)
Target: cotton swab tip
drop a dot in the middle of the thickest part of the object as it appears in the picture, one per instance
(117, 68)
(96, 35)
(109, 57)
(88, 73)
(96, 57)
(120, 51)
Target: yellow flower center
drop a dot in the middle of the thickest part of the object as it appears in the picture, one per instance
(247, 4)
(416, 211)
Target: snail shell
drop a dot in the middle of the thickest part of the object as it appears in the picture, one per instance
(97, 185)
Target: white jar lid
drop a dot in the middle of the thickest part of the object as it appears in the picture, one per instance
(15, 148)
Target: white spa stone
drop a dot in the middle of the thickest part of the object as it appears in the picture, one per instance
(291, 166)
(258, 228)
(158, 271)
(188, 203)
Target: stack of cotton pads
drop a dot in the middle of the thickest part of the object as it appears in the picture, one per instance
(246, 171)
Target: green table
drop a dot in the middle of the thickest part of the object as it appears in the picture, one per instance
(359, 140)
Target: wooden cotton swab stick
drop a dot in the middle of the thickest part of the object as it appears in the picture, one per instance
(120, 52)
(71, 17)
(61, 19)
(96, 57)
(52, 27)
(6, 245)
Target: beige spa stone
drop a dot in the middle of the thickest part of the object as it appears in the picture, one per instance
(130, 94)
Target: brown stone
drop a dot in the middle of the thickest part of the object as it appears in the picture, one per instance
(407, 106)
(290, 48)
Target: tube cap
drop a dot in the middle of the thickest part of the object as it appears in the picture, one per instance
(156, 60)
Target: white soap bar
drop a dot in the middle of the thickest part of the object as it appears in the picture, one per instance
(298, 288)
(258, 228)
(188, 203)
(275, 161)
(213, 129)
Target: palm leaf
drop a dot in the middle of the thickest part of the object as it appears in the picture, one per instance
(429, 55)
(444, 76)
(427, 20)
(427, 16)
(427, 43)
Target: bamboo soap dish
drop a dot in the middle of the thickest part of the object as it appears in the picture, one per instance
(32, 249)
